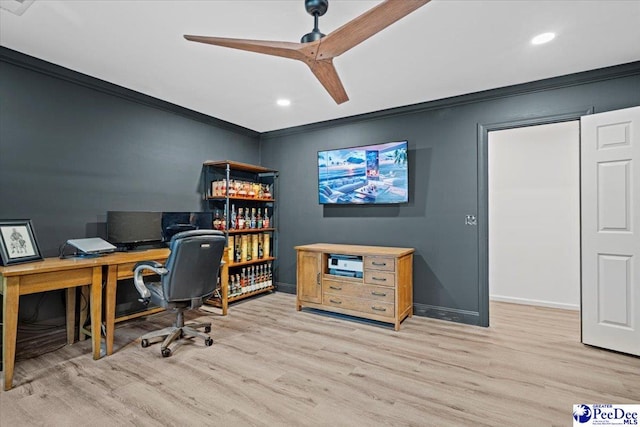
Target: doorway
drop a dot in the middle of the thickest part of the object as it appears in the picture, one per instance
(534, 215)
(483, 196)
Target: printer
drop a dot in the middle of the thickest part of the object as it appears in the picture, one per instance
(345, 265)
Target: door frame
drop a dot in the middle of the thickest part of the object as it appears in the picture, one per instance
(483, 196)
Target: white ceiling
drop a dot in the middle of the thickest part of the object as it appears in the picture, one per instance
(446, 48)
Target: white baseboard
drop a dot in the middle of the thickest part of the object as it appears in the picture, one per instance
(525, 301)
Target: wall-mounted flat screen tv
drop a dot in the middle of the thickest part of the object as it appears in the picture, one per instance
(369, 174)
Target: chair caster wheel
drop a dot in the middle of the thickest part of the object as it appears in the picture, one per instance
(144, 343)
(166, 352)
(208, 342)
(207, 329)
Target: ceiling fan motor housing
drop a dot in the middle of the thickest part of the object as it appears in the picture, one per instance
(315, 8)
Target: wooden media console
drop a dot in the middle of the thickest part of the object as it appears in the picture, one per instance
(383, 293)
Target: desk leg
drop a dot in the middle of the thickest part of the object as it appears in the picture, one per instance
(71, 315)
(110, 306)
(11, 299)
(224, 288)
(85, 296)
(96, 310)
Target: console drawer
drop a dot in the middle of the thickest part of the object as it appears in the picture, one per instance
(371, 292)
(380, 278)
(378, 308)
(379, 263)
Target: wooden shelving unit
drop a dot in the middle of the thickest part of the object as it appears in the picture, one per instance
(250, 270)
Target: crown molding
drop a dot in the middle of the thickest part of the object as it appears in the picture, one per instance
(47, 68)
(25, 61)
(591, 76)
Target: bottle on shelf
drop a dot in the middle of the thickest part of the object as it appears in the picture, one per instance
(216, 220)
(259, 219)
(254, 246)
(240, 219)
(232, 222)
(266, 221)
(223, 220)
(247, 218)
(238, 289)
(253, 218)
(260, 247)
(231, 254)
(246, 255)
(266, 245)
(238, 251)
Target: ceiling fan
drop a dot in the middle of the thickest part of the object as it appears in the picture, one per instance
(317, 50)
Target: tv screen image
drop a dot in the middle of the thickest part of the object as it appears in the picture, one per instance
(375, 174)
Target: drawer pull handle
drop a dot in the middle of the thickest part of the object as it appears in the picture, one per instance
(337, 288)
(373, 307)
(381, 279)
(378, 294)
(379, 264)
(335, 302)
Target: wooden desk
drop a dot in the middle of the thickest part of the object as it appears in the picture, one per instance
(120, 266)
(54, 273)
(48, 275)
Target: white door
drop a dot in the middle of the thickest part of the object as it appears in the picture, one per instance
(610, 190)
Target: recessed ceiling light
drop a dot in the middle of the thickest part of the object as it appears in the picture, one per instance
(283, 102)
(543, 38)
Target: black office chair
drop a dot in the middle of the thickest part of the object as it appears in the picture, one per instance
(188, 278)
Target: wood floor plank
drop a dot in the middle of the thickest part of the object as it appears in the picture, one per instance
(271, 365)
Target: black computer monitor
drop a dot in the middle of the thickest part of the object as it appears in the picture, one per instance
(175, 222)
(131, 229)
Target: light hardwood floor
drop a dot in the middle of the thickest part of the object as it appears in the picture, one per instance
(273, 366)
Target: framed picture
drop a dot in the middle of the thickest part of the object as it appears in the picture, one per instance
(18, 242)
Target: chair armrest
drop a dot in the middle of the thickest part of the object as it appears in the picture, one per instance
(138, 281)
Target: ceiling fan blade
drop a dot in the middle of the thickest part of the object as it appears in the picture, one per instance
(328, 76)
(282, 49)
(366, 25)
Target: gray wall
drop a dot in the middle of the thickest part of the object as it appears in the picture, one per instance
(69, 153)
(444, 181)
(73, 147)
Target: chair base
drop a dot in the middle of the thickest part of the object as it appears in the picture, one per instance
(173, 333)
